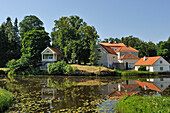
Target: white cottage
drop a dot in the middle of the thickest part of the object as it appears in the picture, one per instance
(50, 55)
(153, 64)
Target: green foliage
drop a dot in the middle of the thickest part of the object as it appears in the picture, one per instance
(68, 68)
(9, 41)
(3, 46)
(138, 104)
(19, 65)
(33, 43)
(30, 23)
(163, 49)
(74, 38)
(59, 68)
(142, 68)
(6, 99)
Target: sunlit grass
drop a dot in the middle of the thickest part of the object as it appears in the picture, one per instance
(6, 99)
(133, 72)
(138, 104)
(91, 69)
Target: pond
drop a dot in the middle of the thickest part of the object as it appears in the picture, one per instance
(77, 93)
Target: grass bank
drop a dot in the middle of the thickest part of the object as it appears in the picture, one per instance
(133, 72)
(98, 70)
(138, 104)
(6, 99)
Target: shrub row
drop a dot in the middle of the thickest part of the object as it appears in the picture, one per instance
(6, 99)
(139, 104)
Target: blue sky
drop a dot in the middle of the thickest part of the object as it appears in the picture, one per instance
(147, 19)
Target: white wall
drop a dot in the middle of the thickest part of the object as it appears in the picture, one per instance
(131, 62)
(103, 56)
(112, 59)
(158, 64)
(136, 68)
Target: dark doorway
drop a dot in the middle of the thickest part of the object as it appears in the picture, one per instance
(126, 65)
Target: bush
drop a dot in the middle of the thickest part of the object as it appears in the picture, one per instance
(59, 68)
(139, 104)
(142, 68)
(6, 99)
(68, 68)
(18, 66)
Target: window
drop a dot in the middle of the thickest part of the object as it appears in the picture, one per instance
(47, 51)
(161, 62)
(161, 79)
(161, 85)
(161, 68)
(99, 50)
(50, 57)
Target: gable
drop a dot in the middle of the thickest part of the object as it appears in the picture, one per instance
(158, 62)
(47, 51)
(107, 49)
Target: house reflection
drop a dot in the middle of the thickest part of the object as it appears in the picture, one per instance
(48, 94)
(125, 87)
(132, 87)
(161, 83)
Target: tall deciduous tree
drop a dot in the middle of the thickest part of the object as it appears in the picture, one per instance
(30, 23)
(163, 49)
(33, 43)
(74, 37)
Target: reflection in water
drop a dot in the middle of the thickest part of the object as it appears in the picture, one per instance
(78, 94)
(132, 87)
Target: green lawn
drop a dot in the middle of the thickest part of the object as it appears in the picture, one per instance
(6, 99)
(133, 72)
(139, 104)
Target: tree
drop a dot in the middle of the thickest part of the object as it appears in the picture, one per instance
(3, 46)
(163, 49)
(30, 23)
(73, 37)
(33, 43)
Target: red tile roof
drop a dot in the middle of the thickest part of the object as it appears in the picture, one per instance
(55, 50)
(124, 48)
(129, 56)
(109, 50)
(148, 85)
(129, 86)
(148, 61)
(118, 95)
(112, 44)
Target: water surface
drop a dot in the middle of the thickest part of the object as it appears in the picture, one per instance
(77, 93)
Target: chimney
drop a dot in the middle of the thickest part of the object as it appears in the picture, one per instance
(144, 58)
